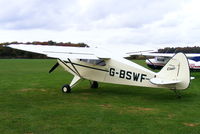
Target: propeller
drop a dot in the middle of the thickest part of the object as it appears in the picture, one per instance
(54, 67)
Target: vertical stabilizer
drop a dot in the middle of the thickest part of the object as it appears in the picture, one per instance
(175, 74)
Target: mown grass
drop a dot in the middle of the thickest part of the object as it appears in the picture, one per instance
(31, 102)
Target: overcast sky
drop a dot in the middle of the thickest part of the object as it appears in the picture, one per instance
(138, 23)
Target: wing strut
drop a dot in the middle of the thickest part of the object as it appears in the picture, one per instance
(74, 67)
(151, 62)
(68, 66)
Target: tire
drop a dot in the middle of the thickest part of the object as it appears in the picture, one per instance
(94, 84)
(66, 89)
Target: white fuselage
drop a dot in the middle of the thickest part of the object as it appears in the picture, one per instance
(114, 71)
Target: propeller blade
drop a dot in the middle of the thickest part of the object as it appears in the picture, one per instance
(54, 67)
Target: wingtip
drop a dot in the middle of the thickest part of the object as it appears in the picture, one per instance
(15, 45)
(11, 45)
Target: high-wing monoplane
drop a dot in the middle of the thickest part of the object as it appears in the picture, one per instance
(109, 66)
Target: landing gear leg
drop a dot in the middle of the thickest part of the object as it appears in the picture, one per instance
(94, 84)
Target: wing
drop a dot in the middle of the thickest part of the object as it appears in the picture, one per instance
(62, 52)
(188, 55)
(155, 54)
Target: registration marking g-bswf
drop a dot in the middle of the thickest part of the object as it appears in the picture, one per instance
(123, 74)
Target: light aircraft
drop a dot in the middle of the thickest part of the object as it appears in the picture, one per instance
(160, 59)
(108, 66)
(159, 62)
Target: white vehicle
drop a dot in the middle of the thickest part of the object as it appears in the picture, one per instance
(160, 59)
(159, 62)
(101, 65)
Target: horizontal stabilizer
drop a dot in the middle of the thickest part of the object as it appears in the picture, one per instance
(158, 81)
(192, 78)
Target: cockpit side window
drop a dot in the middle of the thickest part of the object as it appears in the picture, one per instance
(94, 62)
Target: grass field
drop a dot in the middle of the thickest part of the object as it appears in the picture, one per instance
(31, 102)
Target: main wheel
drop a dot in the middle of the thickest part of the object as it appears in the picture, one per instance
(94, 84)
(66, 89)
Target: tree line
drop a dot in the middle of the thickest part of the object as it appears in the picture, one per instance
(195, 49)
(6, 52)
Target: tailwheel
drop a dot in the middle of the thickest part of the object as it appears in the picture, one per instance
(94, 84)
(178, 94)
(66, 89)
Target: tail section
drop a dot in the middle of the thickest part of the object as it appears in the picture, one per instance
(175, 74)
